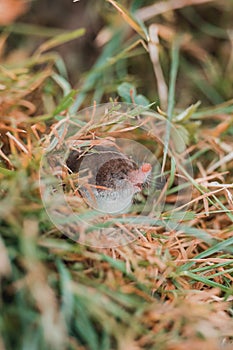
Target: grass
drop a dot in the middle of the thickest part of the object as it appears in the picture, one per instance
(172, 287)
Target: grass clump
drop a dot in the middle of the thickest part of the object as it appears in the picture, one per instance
(172, 287)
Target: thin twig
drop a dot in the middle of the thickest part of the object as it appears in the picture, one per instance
(158, 8)
(17, 142)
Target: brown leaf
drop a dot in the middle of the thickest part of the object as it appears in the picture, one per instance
(5, 267)
(10, 10)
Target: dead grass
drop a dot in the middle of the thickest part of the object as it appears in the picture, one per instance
(171, 289)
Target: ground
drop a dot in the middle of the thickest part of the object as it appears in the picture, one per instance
(171, 287)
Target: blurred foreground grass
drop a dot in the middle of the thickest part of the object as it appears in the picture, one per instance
(170, 289)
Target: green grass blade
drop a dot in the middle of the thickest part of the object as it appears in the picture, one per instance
(171, 96)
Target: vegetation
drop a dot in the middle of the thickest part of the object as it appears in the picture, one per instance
(171, 288)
